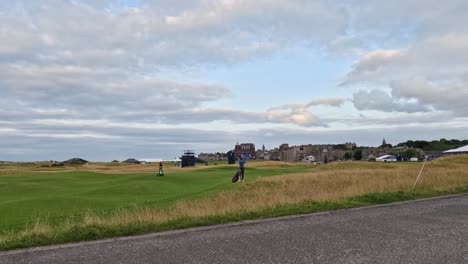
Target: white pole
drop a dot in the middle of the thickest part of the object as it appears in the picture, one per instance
(417, 179)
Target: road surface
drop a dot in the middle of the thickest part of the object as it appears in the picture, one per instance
(428, 231)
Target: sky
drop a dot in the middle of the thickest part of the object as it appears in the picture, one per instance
(117, 79)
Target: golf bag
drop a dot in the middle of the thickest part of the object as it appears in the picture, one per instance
(236, 176)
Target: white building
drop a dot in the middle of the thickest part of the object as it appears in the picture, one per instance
(386, 158)
(462, 150)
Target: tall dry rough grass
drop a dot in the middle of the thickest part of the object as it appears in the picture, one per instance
(333, 183)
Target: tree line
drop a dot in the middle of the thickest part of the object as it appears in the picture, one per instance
(435, 145)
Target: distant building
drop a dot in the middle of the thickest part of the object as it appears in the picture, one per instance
(316, 153)
(431, 155)
(260, 154)
(458, 151)
(273, 154)
(247, 150)
(177, 162)
(188, 159)
(386, 158)
(289, 154)
(230, 157)
(212, 156)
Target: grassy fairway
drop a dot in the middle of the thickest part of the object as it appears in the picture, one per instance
(56, 195)
(108, 200)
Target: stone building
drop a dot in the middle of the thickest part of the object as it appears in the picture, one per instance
(273, 154)
(212, 156)
(247, 150)
(315, 153)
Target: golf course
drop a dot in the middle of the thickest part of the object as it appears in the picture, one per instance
(41, 205)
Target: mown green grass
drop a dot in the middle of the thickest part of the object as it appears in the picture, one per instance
(54, 196)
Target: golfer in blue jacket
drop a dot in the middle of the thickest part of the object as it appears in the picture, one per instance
(242, 167)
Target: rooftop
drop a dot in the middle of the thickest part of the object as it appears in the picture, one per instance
(462, 149)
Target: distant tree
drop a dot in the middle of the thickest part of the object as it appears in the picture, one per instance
(347, 156)
(435, 145)
(411, 153)
(340, 147)
(325, 160)
(358, 154)
(386, 146)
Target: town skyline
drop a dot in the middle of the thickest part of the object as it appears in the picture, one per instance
(292, 152)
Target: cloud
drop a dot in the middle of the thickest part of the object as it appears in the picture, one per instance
(427, 75)
(51, 93)
(372, 65)
(395, 19)
(417, 51)
(300, 118)
(416, 95)
(75, 93)
(46, 144)
(84, 92)
(396, 119)
(336, 102)
(81, 60)
(105, 73)
(299, 113)
(105, 141)
(162, 33)
(444, 97)
(437, 58)
(382, 101)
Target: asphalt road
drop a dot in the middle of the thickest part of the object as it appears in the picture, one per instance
(429, 231)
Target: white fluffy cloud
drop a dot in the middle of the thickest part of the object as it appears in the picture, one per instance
(155, 34)
(431, 74)
(70, 92)
(416, 50)
(438, 58)
(87, 59)
(381, 100)
(73, 92)
(444, 97)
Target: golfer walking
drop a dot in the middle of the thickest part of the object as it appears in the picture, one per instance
(161, 172)
(242, 167)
